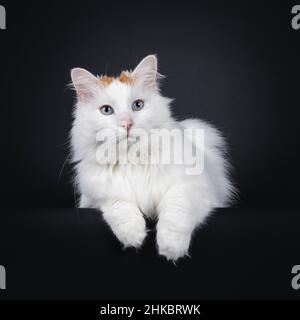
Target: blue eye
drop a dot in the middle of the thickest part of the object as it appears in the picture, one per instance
(137, 105)
(106, 110)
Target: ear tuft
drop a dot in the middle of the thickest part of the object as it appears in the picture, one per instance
(145, 73)
(84, 83)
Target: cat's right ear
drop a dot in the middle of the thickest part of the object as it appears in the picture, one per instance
(146, 73)
(85, 83)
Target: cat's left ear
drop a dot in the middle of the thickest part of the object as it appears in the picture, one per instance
(145, 73)
(85, 83)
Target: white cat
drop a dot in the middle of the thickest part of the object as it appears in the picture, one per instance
(126, 193)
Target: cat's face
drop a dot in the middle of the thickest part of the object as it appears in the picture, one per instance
(122, 104)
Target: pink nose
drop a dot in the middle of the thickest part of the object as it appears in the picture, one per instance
(127, 124)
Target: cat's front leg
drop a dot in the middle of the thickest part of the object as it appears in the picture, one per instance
(176, 223)
(126, 221)
(84, 202)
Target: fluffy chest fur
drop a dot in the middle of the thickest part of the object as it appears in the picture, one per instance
(144, 185)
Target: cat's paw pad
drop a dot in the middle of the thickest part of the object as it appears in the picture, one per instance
(132, 232)
(172, 244)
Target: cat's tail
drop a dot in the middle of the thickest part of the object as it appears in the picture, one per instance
(217, 166)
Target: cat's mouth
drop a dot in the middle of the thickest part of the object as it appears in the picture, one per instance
(129, 138)
(130, 135)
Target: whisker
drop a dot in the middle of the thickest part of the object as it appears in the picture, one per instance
(63, 166)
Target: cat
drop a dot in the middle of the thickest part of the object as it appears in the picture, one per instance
(129, 193)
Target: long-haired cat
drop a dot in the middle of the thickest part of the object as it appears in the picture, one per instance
(128, 193)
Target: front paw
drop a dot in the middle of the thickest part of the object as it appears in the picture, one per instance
(172, 244)
(131, 233)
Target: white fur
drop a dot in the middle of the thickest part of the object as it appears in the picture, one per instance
(128, 193)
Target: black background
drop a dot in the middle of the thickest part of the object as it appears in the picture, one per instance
(60, 253)
(235, 64)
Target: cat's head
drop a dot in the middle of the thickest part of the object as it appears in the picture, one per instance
(131, 100)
